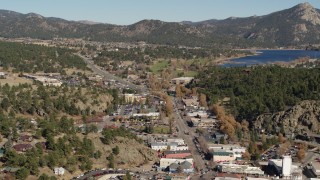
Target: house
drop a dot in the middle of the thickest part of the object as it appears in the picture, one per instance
(25, 138)
(59, 171)
(22, 147)
(2, 75)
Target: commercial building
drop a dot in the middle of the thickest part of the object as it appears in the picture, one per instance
(284, 167)
(182, 80)
(204, 122)
(236, 149)
(223, 156)
(240, 169)
(131, 98)
(172, 146)
(165, 162)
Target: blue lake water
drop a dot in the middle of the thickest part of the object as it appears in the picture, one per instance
(272, 56)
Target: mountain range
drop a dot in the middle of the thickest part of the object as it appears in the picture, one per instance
(296, 26)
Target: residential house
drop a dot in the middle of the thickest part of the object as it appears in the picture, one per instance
(25, 138)
(59, 171)
(22, 147)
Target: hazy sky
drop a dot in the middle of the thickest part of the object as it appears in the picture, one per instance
(125, 12)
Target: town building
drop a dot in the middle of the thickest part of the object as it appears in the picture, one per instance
(177, 154)
(182, 80)
(240, 169)
(146, 116)
(131, 98)
(184, 167)
(166, 162)
(204, 122)
(223, 156)
(191, 103)
(198, 114)
(177, 140)
(284, 168)
(172, 146)
(235, 149)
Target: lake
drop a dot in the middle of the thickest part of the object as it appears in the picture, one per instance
(271, 56)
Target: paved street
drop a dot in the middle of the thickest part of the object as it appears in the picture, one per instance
(108, 75)
(182, 126)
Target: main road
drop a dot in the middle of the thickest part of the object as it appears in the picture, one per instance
(188, 138)
(108, 75)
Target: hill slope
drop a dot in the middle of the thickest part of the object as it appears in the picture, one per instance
(297, 25)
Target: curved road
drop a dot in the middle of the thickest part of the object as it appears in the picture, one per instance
(108, 75)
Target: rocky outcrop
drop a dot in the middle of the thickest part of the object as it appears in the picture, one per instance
(301, 118)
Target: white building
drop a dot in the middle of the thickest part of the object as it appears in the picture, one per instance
(172, 146)
(176, 140)
(236, 149)
(285, 168)
(241, 169)
(59, 171)
(201, 114)
(182, 80)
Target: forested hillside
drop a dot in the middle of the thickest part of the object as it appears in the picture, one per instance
(258, 90)
(33, 58)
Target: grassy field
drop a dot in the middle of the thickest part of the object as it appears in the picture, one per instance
(161, 130)
(14, 80)
(159, 66)
(187, 73)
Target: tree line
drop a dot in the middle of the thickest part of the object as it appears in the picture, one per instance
(256, 90)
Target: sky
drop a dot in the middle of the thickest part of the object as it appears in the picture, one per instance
(125, 12)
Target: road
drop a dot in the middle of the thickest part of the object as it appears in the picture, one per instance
(108, 75)
(182, 126)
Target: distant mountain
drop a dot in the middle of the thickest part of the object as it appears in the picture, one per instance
(299, 25)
